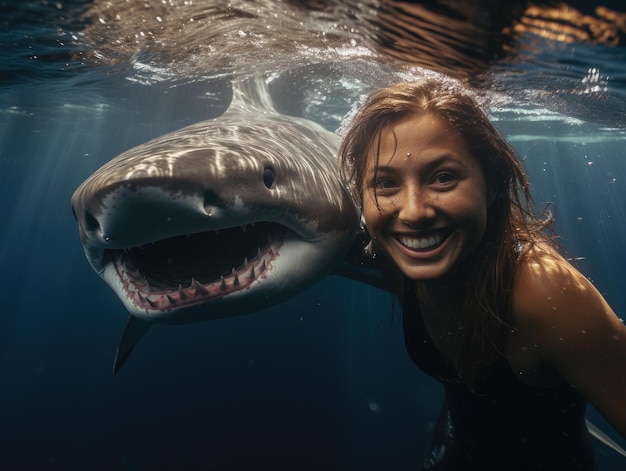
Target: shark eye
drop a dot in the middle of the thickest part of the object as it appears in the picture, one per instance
(268, 177)
(91, 223)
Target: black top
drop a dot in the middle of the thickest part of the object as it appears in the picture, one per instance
(501, 422)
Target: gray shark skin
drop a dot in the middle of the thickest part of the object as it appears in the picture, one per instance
(221, 218)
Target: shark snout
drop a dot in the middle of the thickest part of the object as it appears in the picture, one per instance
(128, 215)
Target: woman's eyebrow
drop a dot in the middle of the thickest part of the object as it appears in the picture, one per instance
(443, 157)
(429, 164)
(381, 170)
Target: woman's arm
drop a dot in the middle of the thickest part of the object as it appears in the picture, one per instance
(576, 331)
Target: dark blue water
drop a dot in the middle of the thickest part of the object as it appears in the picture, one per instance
(319, 382)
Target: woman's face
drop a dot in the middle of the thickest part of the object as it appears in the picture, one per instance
(425, 198)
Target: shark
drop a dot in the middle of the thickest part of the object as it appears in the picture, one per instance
(224, 217)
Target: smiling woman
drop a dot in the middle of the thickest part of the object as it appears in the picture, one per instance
(519, 338)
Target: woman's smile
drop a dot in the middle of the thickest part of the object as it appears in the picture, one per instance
(421, 243)
(424, 249)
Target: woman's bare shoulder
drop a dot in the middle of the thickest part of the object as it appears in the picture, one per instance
(550, 292)
(575, 330)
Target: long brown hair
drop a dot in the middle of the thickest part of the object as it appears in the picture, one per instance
(513, 224)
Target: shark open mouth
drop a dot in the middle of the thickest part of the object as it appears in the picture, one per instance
(187, 270)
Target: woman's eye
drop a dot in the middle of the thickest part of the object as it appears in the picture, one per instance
(445, 178)
(385, 184)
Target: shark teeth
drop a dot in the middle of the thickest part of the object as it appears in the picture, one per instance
(198, 287)
(151, 296)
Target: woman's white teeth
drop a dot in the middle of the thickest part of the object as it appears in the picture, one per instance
(420, 242)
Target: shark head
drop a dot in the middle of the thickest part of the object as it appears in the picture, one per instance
(220, 218)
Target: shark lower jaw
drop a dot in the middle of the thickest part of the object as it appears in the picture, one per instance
(191, 270)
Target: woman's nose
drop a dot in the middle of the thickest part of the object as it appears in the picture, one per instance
(416, 206)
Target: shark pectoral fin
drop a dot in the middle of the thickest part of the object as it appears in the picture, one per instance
(133, 331)
(605, 439)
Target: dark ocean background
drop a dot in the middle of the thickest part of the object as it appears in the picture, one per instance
(321, 382)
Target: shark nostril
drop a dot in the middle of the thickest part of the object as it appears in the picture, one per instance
(211, 200)
(91, 223)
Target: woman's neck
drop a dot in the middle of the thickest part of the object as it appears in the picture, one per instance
(443, 293)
